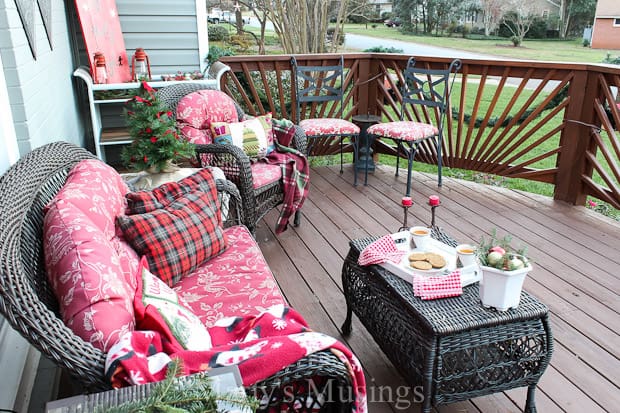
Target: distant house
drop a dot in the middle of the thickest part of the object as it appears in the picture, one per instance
(606, 29)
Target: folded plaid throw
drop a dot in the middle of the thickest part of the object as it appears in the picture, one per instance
(295, 172)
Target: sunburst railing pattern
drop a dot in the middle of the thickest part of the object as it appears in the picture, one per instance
(547, 122)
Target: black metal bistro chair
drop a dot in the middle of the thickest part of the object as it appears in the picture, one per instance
(321, 90)
(425, 95)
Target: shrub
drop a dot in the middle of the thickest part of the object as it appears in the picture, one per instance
(241, 41)
(383, 49)
(516, 41)
(218, 33)
(586, 43)
(374, 25)
(215, 52)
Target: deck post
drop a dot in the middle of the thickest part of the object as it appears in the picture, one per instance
(575, 138)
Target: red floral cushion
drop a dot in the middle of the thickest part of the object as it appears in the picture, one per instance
(238, 282)
(328, 126)
(265, 174)
(181, 235)
(90, 269)
(197, 110)
(404, 130)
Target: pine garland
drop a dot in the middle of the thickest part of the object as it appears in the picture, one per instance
(156, 140)
(191, 394)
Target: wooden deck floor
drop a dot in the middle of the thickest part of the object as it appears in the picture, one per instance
(576, 255)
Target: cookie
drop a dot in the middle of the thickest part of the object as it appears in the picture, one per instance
(436, 260)
(421, 265)
(417, 256)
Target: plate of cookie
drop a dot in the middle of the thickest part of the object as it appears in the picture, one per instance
(427, 262)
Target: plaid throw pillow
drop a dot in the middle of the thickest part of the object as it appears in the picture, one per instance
(183, 233)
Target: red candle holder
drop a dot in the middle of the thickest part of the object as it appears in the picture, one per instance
(406, 202)
(434, 202)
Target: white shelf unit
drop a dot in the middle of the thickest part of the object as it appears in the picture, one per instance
(105, 136)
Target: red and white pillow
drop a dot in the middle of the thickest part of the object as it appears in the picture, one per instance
(158, 308)
(90, 269)
(176, 226)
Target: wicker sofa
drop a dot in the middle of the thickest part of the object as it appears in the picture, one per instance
(30, 306)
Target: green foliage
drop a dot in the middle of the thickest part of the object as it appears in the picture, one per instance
(383, 49)
(156, 141)
(612, 60)
(218, 33)
(586, 43)
(215, 52)
(485, 246)
(192, 394)
(516, 41)
(241, 41)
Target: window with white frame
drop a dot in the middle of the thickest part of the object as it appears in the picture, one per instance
(545, 14)
(617, 22)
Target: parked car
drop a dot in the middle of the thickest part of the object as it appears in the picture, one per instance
(392, 22)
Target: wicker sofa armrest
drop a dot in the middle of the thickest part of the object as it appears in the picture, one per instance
(237, 168)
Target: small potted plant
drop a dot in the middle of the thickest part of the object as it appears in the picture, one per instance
(503, 272)
(157, 145)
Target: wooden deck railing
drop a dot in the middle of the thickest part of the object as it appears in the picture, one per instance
(546, 122)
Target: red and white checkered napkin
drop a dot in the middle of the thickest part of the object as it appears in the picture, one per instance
(430, 288)
(382, 250)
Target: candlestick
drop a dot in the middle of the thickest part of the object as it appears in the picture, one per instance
(406, 202)
(434, 202)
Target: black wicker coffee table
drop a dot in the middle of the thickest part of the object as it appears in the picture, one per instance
(453, 347)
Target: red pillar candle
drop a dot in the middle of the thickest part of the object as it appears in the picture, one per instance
(433, 200)
(407, 201)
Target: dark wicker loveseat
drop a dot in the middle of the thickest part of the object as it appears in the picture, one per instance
(29, 305)
(257, 202)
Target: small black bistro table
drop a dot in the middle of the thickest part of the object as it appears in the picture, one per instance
(453, 347)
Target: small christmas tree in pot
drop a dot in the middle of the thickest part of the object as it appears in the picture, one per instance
(156, 144)
(503, 272)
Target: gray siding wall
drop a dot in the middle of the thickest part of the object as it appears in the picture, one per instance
(167, 31)
(40, 90)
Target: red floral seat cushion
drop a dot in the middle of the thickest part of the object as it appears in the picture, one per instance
(265, 174)
(238, 282)
(90, 269)
(197, 110)
(328, 126)
(404, 130)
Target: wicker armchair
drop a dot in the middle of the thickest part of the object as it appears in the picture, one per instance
(235, 163)
(29, 305)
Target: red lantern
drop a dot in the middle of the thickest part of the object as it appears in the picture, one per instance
(101, 70)
(140, 65)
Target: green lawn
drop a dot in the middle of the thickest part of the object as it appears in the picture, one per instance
(546, 50)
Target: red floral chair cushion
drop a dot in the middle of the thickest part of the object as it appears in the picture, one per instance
(328, 126)
(197, 110)
(236, 283)
(403, 130)
(265, 174)
(90, 269)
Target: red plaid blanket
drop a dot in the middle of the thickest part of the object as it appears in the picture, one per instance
(259, 345)
(296, 175)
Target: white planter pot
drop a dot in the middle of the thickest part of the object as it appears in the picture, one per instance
(502, 289)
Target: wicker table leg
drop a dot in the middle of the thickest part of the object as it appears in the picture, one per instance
(530, 403)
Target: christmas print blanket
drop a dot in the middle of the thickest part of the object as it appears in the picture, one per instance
(259, 345)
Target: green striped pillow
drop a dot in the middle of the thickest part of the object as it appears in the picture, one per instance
(254, 136)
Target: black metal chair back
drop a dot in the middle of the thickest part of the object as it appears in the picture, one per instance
(427, 87)
(319, 85)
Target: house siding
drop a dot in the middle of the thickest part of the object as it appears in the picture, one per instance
(174, 37)
(36, 84)
(605, 35)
